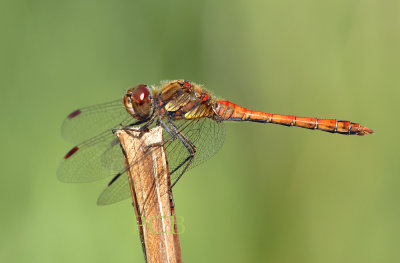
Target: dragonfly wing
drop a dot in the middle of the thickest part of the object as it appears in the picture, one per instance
(116, 191)
(113, 158)
(119, 188)
(91, 160)
(87, 122)
(206, 134)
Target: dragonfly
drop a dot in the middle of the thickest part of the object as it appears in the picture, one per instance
(193, 128)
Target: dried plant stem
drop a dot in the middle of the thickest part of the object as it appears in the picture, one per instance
(149, 181)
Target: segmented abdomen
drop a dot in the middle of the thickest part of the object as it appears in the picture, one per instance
(231, 112)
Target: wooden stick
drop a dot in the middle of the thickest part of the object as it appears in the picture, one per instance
(149, 181)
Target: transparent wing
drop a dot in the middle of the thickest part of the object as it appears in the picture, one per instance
(206, 134)
(87, 122)
(116, 191)
(93, 159)
(119, 188)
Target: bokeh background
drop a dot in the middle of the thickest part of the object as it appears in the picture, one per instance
(273, 193)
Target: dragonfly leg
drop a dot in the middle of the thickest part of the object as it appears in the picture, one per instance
(130, 127)
(158, 144)
(171, 198)
(189, 146)
(148, 123)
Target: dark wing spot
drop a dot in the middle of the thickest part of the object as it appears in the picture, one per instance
(74, 114)
(114, 179)
(71, 152)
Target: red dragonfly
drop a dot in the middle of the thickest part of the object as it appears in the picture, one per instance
(192, 120)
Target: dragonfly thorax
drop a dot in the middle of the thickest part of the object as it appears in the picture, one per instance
(138, 101)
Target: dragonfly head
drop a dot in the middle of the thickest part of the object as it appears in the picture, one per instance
(138, 101)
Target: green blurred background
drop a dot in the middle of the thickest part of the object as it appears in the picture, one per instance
(272, 194)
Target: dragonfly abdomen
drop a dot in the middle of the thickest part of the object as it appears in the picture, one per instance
(231, 112)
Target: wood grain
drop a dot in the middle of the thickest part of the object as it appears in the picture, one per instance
(149, 181)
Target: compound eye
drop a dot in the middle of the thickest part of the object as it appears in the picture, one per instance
(141, 93)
